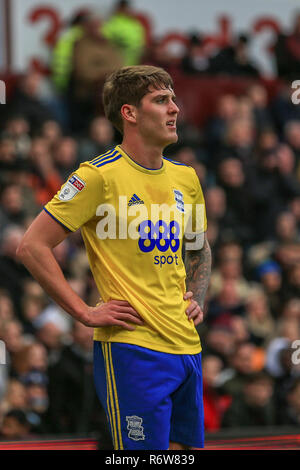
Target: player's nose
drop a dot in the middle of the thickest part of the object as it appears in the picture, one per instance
(173, 108)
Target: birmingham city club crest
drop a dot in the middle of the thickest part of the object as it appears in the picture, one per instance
(135, 428)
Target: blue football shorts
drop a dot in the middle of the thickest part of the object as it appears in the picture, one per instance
(150, 397)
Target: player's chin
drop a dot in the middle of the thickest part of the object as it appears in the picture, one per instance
(172, 138)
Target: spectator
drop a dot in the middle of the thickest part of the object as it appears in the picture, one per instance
(17, 128)
(226, 112)
(126, 32)
(283, 382)
(31, 358)
(94, 57)
(290, 415)
(261, 325)
(36, 383)
(240, 212)
(286, 228)
(45, 180)
(294, 207)
(267, 141)
(73, 403)
(254, 406)
(8, 158)
(291, 309)
(292, 138)
(51, 132)
(215, 404)
(158, 54)
(188, 156)
(287, 255)
(271, 191)
(12, 335)
(61, 66)
(99, 140)
(65, 157)
(292, 283)
(12, 273)
(15, 426)
(12, 211)
(261, 112)
(226, 304)
(15, 397)
(234, 59)
(283, 109)
(26, 100)
(287, 51)
(229, 267)
(195, 60)
(270, 276)
(239, 141)
(31, 307)
(233, 378)
(286, 160)
(219, 341)
(50, 333)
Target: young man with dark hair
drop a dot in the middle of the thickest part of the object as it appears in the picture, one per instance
(135, 208)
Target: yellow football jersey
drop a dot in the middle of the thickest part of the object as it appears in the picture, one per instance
(132, 221)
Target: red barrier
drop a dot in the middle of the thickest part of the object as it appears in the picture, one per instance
(55, 444)
(199, 96)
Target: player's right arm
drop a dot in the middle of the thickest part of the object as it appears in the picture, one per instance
(36, 253)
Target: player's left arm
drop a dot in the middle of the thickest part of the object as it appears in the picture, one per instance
(198, 270)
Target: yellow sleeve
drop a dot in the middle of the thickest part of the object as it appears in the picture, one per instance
(77, 200)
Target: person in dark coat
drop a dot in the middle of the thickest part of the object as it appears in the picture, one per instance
(73, 405)
(255, 406)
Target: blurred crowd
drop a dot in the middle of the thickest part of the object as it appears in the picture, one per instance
(247, 158)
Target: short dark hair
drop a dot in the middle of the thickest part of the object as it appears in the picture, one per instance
(258, 376)
(128, 85)
(19, 415)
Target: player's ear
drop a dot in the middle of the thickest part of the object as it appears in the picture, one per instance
(128, 112)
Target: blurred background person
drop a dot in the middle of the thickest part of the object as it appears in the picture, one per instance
(254, 406)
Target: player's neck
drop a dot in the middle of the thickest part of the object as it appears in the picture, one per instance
(143, 154)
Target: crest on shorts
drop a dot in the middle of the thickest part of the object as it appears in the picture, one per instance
(72, 187)
(135, 428)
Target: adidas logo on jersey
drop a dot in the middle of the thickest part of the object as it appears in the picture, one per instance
(135, 200)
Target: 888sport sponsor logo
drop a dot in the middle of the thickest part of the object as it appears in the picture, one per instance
(162, 236)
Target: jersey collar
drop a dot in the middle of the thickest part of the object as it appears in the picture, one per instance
(139, 167)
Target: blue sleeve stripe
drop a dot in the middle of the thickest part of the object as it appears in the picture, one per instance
(56, 219)
(103, 157)
(109, 161)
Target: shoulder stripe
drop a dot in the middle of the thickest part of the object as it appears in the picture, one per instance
(105, 158)
(175, 163)
(101, 156)
(104, 155)
(108, 161)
